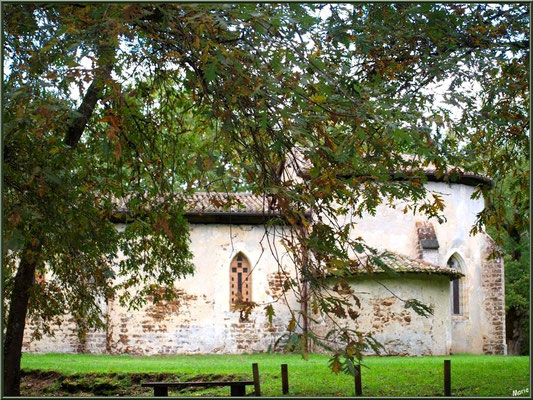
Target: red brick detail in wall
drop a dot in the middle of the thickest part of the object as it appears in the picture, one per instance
(425, 234)
(276, 284)
(240, 279)
(492, 281)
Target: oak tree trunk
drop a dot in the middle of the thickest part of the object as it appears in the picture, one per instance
(25, 276)
(18, 310)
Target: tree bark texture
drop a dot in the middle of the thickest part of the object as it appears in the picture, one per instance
(25, 277)
(86, 109)
(18, 310)
(305, 297)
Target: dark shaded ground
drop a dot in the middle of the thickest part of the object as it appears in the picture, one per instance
(52, 383)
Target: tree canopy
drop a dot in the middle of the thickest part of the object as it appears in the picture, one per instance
(146, 103)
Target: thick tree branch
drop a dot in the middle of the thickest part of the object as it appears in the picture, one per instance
(86, 109)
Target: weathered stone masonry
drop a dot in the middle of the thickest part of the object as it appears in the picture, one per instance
(494, 299)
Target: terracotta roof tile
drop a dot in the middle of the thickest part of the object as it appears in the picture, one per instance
(228, 203)
(401, 263)
(202, 202)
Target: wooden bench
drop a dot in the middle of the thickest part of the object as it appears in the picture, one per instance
(237, 388)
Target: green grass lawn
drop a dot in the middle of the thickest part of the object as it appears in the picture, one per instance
(472, 375)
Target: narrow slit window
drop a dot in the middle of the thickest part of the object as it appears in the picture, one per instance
(456, 288)
(455, 300)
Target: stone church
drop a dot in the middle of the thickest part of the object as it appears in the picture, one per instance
(441, 265)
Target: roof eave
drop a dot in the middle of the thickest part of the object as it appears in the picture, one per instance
(465, 179)
(451, 275)
(213, 217)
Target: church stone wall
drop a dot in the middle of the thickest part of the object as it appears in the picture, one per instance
(199, 320)
(493, 282)
(64, 340)
(474, 331)
(402, 331)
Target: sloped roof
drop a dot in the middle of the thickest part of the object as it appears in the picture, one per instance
(202, 202)
(203, 207)
(402, 264)
(453, 173)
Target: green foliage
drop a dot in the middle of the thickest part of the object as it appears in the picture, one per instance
(419, 307)
(517, 275)
(185, 97)
(517, 294)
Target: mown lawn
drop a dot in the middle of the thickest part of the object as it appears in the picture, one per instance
(472, 375)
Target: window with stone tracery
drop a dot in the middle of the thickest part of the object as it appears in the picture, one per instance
(240, 279)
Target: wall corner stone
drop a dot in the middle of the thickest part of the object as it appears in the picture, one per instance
(493, 286)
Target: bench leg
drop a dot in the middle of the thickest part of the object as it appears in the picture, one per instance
(160, 391)
(238, 390)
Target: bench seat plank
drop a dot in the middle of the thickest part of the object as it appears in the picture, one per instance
(185, 384)
(237, 388)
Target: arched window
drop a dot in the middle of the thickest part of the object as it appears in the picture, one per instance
(456, 287)
(240, 279)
